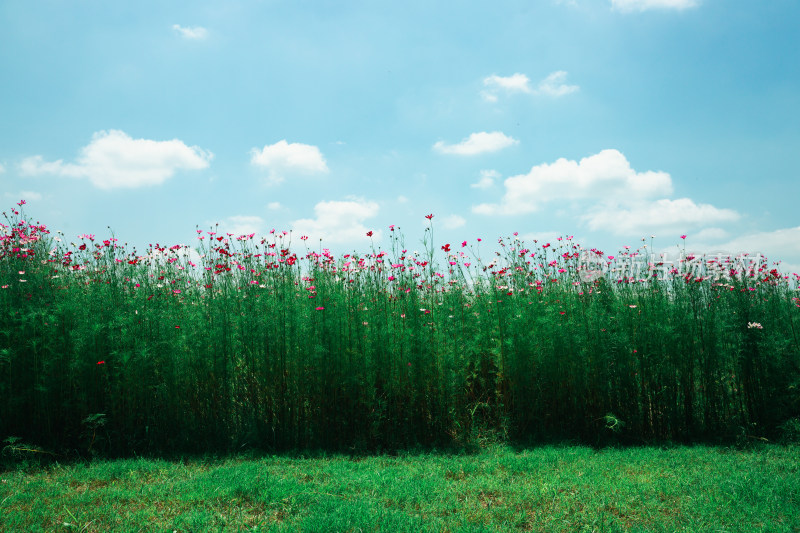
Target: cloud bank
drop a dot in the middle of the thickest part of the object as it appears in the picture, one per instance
(604, 175)
(114, 160)
(283, 158)
(339, 221)
(610, 195)
(242, 225)
(553, 85)
(487, 179)
(477, 143)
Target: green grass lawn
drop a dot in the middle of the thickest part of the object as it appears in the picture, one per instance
(497, 489)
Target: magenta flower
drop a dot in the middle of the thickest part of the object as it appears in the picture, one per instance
(320, 308)
(683, 236)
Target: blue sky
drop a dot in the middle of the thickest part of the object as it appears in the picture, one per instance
(609, 120)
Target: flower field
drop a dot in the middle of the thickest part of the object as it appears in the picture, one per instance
(246, 341)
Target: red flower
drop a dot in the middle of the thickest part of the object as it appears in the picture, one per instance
(369, 233)
(446, 247)
(429, 217)
(101, 362)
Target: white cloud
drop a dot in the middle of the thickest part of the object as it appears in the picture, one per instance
(2, 169)
(191, 33)
(242, 225)
(659, 216)
(339, 221)
(284, 158)
(114, 160)
(31, 196)
(606, 175)
(36, 165)
(553, 85)
(274, 206)
(487, 179)
(453, 222)
(778, 245)
(774, 244)
(607, 195)
(477, 143)
(711, 234)
(627, 6)
(402, 199)
(515, 83)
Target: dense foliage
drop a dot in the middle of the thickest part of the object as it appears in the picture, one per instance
(240, 342)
